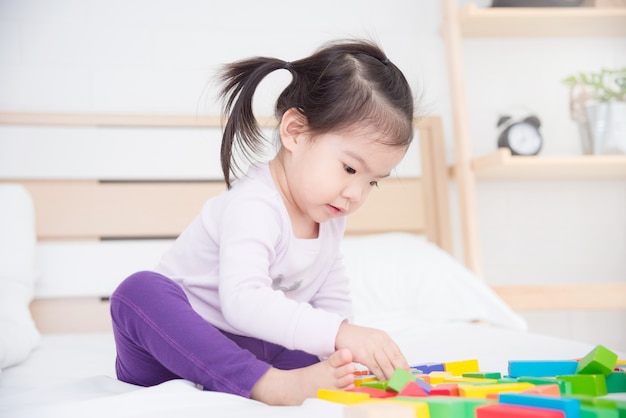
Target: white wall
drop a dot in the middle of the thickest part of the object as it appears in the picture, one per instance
(159, 56)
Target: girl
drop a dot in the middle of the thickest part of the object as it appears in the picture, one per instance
(253, 293)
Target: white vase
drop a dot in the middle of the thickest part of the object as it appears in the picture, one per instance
(604, 129)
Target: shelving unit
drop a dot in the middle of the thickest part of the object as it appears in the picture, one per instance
(472, 22)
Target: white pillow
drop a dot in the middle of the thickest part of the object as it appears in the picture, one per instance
(403, 273)
(18, 334)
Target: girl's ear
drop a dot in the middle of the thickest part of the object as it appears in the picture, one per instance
(292, 127)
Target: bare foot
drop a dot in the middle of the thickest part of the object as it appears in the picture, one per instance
(292, 387)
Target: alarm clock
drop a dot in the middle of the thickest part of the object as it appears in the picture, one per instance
(520, 135)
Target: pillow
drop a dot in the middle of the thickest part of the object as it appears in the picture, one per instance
(18, 334)
(403, 273)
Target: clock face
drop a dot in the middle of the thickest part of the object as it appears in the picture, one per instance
(524, 139)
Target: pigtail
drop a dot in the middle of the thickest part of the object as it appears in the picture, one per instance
(242, 131)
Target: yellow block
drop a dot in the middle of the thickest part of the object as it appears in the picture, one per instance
(386, 409)
(340, 396)
(421, 408)
(457, 368)
(358, 380)
(481, 391)
(437, 377)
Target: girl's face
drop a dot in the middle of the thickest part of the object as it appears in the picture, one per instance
(333, 174)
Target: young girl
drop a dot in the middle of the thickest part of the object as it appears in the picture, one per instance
(253, 293)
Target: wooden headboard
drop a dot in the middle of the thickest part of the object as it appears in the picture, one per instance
(94, 209)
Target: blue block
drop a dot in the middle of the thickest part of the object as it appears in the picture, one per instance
(569, 406)
(541, 368)
(425, 386)
(429, 367)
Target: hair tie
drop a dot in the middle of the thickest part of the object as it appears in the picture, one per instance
(287, 65)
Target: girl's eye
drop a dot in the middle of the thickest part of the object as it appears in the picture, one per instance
(349, 169)
(374, 183)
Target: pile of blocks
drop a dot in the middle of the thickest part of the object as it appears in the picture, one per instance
(533, 389)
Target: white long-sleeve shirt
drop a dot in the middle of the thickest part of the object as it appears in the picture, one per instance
(246, 273)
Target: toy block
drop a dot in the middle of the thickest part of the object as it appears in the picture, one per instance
(381, 410)
(587, 384)
(438, 377)
(546, 390)
(483, 375)
(426, 387)
(600, 360)
(427, 368)
(420, 408)
(359, 380)
(445, 389)
(378, 384)
(457, 368)
(596, 412)
(399, 380)
(423, 378)
(570, 407)
(442, 406)
(516, 411)
(470, 380)
(541, 368)
(343, 397)
(616, 382)
(481, 391)
(373, 392)
(564, 386)
(412, 389)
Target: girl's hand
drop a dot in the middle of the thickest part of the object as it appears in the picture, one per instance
(373, 348)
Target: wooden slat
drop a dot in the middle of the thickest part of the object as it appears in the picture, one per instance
(591, 296)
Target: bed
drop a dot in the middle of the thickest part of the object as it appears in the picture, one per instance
(67, 242)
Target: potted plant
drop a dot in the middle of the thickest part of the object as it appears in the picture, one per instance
(598, 104)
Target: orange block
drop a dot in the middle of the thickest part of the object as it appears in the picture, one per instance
(548, 390)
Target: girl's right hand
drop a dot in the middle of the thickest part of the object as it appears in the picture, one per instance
(373, 348)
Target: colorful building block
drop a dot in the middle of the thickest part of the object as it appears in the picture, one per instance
(445, 389)
(587, 384)
(427, 368)
(616, 382)
(399, 380)
(457, 368)
(600, 360)
(481, 391)
(443, 406)
(382, 410)
(426, 387)
(541, 368)
(516, 411)
(438, 377)
(343, 397)
(373, 392)
(597, 412)
(548, 390)
(570, 407)
(483, 375)
(564, 386)
(412, 389)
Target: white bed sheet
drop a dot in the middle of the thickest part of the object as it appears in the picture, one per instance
(73, 375)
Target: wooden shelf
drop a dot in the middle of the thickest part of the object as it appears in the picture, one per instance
(502, 165)
(509, 22)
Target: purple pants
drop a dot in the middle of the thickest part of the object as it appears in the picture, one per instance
(159, 337)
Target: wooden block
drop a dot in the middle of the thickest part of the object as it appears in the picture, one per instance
(399, 380)
(587, 411)
(457, 368)
(541, 368)
(359, 380)
(343, 397)
(427, 368)
(378, 384)
(547, 390)
(570, 407)
(438, 377)
(564, 386)
(445, 389)
(481, 391)
(484, 375)
(600, 360)
(373, 392)
(412, 389)
(426, 386)
(616, 382)
(587, 384)
(381, 410)
(442, 406)
(516, 411)
(470, 380)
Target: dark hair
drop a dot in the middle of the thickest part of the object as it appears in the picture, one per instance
(339, 86)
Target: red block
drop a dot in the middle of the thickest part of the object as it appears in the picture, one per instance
(445, 389)
(499, 410)
(412, 389)
(373, 392)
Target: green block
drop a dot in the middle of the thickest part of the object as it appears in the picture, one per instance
(600, 360)
(565, 387)
(508, 380)
(596, 412)
(378, 384)
(617, 404)
(586, 384)
(616, 382)
(445, 406)
(399, 380)
(481, 375)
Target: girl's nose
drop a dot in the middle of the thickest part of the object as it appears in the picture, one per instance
(352, 192)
